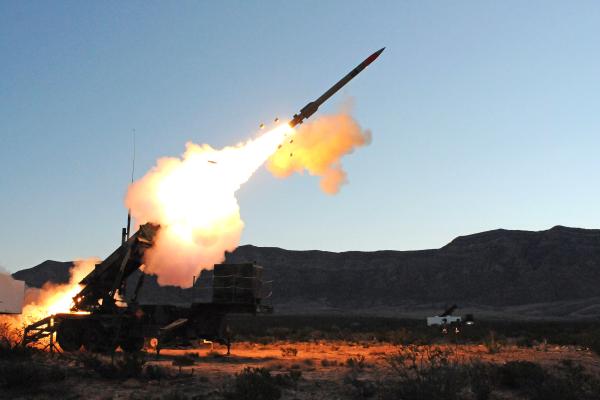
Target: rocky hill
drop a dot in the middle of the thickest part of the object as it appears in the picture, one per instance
(501, 273)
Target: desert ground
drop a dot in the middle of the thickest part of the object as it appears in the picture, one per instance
(320, 369)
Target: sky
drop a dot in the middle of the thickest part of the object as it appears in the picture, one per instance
(484, 115)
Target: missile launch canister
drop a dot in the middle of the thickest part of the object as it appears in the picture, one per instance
(313, 106)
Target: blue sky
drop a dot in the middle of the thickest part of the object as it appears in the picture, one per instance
(484, 115)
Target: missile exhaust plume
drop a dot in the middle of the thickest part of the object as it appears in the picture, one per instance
(318, 147)
(193, 197)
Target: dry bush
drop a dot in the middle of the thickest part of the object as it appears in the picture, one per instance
(289, 379)
(328, 363)
(491, 344)
(567, 381)
(309, 361)
(289, 352)
(215, 354)
(156, 373)
(184, 361)
(28, 375)
(10, 344)
(357, 362)
(254, 384)
(428, 373)
(130, 365)
(362, 388)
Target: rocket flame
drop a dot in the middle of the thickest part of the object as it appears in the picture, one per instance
(51, 298)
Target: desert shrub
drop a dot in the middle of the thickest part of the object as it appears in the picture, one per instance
(279, 332)
(569, 381)
(521, 374)
(593, 342)
(10, 335)
(425, 374)
(481, 379)
(356, 362)
(264, 340)
(289, 379)
(10, 344)
(254, 384)
(289, 352)
(28, 375)
(11, 351)
(129, 366)
(93, 362)
(328, 363)
(525, 342)
(275, 366)
(362, 388)
(183, 361)
(155, 373)
(303, 334)
(215, 354)
(309, 361)
(492, 344)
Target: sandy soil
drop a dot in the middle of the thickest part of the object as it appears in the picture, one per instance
(323, 366)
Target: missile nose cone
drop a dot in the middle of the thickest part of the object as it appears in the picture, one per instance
(373, 56)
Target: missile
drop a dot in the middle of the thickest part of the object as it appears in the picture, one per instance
(313, 106)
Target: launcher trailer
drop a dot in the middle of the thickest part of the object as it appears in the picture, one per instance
(102, 320)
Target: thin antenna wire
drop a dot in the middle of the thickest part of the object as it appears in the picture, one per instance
(132, 174)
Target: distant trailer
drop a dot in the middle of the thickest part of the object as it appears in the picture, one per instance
(445, 320)
(12, 294)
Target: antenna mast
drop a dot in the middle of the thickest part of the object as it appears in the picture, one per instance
(125, 232)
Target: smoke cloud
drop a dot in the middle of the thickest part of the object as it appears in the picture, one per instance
(317, 147)
(193, 197)
(11, 293)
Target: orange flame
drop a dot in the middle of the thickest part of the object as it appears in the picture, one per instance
(52, 298)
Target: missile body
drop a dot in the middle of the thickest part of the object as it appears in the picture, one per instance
(313, 106)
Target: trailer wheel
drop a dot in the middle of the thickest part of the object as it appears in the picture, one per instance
(96, 339)
(132, 344)
(68, 335)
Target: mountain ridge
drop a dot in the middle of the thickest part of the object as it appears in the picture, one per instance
(553, 273)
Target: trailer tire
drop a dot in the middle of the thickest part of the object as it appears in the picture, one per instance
(68, 335)
(97, 339)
